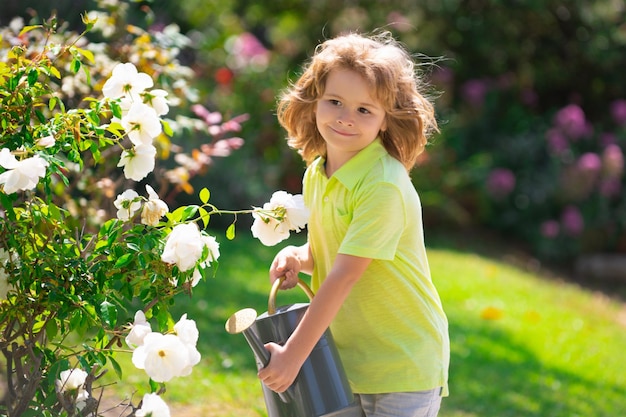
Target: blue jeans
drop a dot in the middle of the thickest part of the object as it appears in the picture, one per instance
(396, 404)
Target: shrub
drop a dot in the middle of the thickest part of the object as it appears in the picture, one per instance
(84, 269)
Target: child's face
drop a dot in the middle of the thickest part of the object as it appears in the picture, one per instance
(347, 116)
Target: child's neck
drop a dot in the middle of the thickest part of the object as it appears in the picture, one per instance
(335, 161)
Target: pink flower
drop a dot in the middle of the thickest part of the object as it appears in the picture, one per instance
(610, 187)
(247, 51)
(572, 221)
(210, 118)
(589, 164)
(557, 142)
(550, 229)
(618, 111)
(474, 92)
(500, 182)
(571, 121)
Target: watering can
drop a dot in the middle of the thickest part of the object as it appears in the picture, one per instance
(321, 387)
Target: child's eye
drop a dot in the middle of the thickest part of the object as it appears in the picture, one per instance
(364, 110)
(334, 102)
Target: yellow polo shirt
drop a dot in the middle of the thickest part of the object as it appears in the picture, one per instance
(391, 332)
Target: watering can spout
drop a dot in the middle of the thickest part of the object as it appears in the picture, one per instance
(241, 322)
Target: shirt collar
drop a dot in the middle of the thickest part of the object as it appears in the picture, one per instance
(353, 170)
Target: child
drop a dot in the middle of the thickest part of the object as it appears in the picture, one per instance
(358, 119)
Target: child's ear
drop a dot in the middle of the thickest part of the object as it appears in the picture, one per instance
(383, 127)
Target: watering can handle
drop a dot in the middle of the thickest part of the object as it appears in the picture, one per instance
(271, 304)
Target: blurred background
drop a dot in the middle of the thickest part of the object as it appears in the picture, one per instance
(530, 95)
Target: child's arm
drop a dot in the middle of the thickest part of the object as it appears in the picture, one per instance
(286, 360)
(289, 262)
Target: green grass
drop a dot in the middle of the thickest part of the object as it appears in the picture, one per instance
(522, 345)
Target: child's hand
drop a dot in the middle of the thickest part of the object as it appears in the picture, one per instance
(280, 373)
(286, 264)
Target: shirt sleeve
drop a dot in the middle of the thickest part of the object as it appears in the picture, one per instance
(379, 219)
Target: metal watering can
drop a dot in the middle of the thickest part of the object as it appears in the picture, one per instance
(321, 387)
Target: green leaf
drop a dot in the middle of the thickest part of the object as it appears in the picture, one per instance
(52, 103)
(76, 319)
(95, 151)
(32, 77)
(230, 232)
(86, 53)
(176, 215)
(109, 313)
(116, 367)
(116, 109)
(188, 212)
(167, 128)
(84, 145)
(14, 81)
(124, 260)
(205, 216)
(74, 156)
(38, 326)
(164, 318)
(205, 194)
(40, 116)
(26, 29)
(51, 329)
(75, 65)
(94, 117)
(116, 129)
(133, 246)
(154, 386)
(55, 72)
(87, 75)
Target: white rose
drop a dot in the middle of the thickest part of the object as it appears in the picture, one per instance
(142, 124)
(154, 209)
(138, 331)
(73, 379)
(127, 204)
(183, 247)
(164, 357)
(20, 175)
(284, 212)
(214, 249)
(187, 330)
(156, 99)
(268, 230)
(46, 141)
(153, 406)
(138, 162)
(126, 80)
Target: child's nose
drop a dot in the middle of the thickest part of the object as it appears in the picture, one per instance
(345, 118)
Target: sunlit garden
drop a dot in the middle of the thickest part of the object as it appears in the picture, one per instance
(145, 187)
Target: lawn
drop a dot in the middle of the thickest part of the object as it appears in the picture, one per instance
(524, 344)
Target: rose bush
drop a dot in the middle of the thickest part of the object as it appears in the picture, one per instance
(85, 266)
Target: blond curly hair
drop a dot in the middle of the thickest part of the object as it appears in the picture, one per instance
(391, 72)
